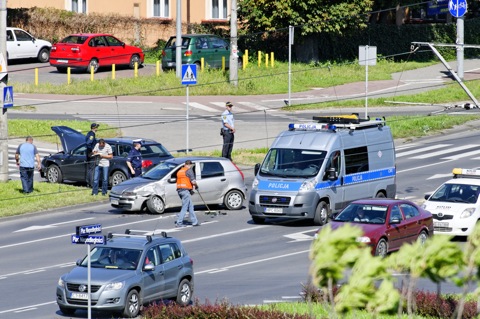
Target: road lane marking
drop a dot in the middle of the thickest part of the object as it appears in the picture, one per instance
(51, 225)
(423, 149)
(28, 307)
(450, 150)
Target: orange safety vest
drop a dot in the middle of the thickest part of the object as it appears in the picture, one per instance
(182, 180)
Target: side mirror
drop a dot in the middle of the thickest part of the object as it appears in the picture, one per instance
(427, 196)
(256, 169)
(79, 261)
(332, 174)
(148, 267)
(172, 180)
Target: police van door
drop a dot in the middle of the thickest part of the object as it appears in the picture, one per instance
(356, 179)
(333, 186)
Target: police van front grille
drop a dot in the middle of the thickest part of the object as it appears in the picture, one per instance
(274, 201)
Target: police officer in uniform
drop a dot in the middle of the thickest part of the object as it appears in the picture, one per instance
(91, 141)
(185, 184)
(228, 130)
(134, 160)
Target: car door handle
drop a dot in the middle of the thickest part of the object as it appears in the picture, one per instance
(179, 266)
(223, 180)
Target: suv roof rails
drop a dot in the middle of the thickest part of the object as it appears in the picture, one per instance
(138, 234)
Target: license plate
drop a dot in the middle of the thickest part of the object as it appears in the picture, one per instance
(62, 61)
(273, 210)
(440, 224)
(114, 201)
(77, 295)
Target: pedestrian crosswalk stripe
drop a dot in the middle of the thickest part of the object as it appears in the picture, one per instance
(462, 155)
(236, 108)
(423, 149)
(448, 150)
(201, 107)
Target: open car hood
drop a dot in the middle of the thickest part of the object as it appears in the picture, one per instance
(69, 137)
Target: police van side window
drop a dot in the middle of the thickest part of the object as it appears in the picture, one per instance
(356, 160)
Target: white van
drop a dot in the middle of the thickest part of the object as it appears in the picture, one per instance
(314, 170)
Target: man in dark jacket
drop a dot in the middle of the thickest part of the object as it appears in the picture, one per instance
(91, 141)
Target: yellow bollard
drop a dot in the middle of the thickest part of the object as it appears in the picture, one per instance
(202, 64)
(223, 63)
(272, 63)
(91, 73)
(136, 70)
(266, 60)
(68, 75)
(113, 71)
(158, 67)
(36, 76)
(244, 62)
(259, 58)
(246, 57)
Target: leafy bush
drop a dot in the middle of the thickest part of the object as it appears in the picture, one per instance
(428, 304)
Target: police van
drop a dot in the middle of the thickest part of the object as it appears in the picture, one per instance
(314, 170)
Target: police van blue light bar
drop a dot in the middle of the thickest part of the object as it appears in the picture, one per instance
(311, 127)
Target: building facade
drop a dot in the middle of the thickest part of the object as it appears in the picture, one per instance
(193, 11)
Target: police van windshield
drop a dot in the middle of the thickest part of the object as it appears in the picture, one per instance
(456, 193)
(292, 163)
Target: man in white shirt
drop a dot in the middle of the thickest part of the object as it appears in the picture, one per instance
(102, 153)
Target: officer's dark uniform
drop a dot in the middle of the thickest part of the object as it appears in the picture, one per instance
(90, 141)
(135, 158)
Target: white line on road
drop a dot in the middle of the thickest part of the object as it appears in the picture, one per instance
(450, 150)
(420, 150)
(27, 307)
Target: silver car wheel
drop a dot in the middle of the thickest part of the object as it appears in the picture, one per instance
(117, 178)
(422, 238)
(184, 295)
(155, 205)
(382, 248)
(132, 307)
(234, 200)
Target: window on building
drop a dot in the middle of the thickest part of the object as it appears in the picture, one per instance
(161, 8)
(79, 6)
(219, 9)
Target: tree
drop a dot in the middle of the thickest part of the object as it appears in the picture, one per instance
(311, 16)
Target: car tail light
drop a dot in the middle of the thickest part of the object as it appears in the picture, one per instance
(54, 48)
(164, 53)
(188, 53)
(146, 163)
(76, 49)
(239, 170)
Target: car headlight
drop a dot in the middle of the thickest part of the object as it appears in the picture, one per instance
(61, 283)
(363, 239)
(307, 186)
(129, 193)
(255, 183)
(467, 212)
(114, 286)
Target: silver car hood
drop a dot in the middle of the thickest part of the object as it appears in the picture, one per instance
(138, 185)
(99, 276)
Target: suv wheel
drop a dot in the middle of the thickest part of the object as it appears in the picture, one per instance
(155, 205)
(132, 304)
(233, 200)
(184, 294)
(54, 174)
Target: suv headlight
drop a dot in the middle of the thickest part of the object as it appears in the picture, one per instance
(255, 184)
(61, 283)
(114, 286)
(307, 186)
(467, 212)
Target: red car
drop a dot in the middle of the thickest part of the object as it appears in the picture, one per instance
(93, 50)
(386, 223)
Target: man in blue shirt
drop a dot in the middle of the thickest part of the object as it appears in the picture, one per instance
(91, 141)
(228, 130)
(25, 157)
(134, 160)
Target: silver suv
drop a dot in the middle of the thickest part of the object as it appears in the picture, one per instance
(128, 272)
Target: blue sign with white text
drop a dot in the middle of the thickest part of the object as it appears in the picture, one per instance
(457, 8)
(88, 240)
(88, 229)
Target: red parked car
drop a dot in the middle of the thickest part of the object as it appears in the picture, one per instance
(93, 50)
(386, 223)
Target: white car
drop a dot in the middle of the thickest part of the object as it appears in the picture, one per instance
(23, 45)
(455, 205)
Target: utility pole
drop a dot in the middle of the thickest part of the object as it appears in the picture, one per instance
(3, 83)
(233, 44)
(178, 41)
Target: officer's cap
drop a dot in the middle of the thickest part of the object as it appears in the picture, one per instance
(229, 104)
(94, 125)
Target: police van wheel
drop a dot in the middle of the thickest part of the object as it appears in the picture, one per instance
(321, 214)
(155, 205)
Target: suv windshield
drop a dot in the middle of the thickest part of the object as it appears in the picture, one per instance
(456, 193)
(159, 171)
(113, 258)
(292, 163)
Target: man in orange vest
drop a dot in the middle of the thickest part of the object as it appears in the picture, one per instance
(185, 184)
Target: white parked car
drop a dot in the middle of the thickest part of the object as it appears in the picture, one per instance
(455, 205)
(23, 45)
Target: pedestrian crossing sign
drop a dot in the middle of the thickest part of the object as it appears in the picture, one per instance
(189, 74)
(7, 96)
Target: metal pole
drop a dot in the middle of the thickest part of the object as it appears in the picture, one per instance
(233, 44)
(366, 81)
(188, 108)
(290, 43)
(178, 41)
(3, 83)
(89, 289)
(460, 43)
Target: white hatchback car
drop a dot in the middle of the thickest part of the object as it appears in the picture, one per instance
(23, 45)
(455, 205)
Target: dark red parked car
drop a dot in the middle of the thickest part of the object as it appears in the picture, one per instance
(93, 50)
(386, 223)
